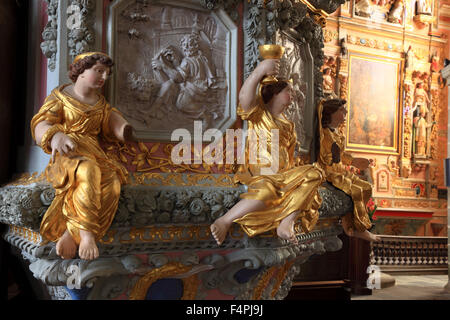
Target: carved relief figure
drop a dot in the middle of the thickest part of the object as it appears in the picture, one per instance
(87, 182)
(292, 66)
(382, 181)
(197, 78)
(295, 111)
(185, 84)
(278, 199)
(328, 74)
(364, 8)
(435, 67)
(421, 125)
(175, 68)
(164, 66)
(420, 96)
(396, 12)
(328, 84)
(423, 7)
(333, 159)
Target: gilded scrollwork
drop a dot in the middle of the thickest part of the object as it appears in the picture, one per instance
(436, 112)
(157, 156)
(263, 282)
(329, 35)
(190, 284)
(281, 275)
(407, 121)
(343, 90)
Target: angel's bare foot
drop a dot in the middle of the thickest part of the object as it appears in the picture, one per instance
(367, 235)
(88, 248)
(285, 230)
(219, 230)
(66, 247)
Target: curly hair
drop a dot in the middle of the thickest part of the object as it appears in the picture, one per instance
(330, 107)
(269, 90)
(78, 68)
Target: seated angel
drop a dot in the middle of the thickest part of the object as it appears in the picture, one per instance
(86, 180)
(278, 195)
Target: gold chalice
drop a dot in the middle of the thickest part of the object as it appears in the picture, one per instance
(270, 51)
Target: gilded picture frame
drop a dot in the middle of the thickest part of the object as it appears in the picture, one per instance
(374, 104)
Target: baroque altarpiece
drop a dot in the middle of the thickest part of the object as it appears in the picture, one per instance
(384, 58)
(159, 244)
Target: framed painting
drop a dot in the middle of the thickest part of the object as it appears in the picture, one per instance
(374, 104)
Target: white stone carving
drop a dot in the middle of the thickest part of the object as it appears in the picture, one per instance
(174, 65)
(296, 65)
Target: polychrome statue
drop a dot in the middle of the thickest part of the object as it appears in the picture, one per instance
(333, 159)
(87, 182)
(273, 201)
(421, 126)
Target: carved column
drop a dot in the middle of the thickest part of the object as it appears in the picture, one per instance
(408, 91)
(343, 77)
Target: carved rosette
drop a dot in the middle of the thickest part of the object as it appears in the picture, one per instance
(230, 7)
(49, 46)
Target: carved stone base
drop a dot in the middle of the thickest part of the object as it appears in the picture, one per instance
(159, 255)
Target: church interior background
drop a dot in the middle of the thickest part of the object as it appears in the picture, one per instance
(383, 56)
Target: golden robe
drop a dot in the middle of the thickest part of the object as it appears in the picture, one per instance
(359, 190)
(87, 182)
(292, 188)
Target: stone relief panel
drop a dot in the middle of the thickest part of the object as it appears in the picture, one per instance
(174, 65)
(296, 65)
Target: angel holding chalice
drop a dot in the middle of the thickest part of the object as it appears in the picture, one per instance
(275, 200)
